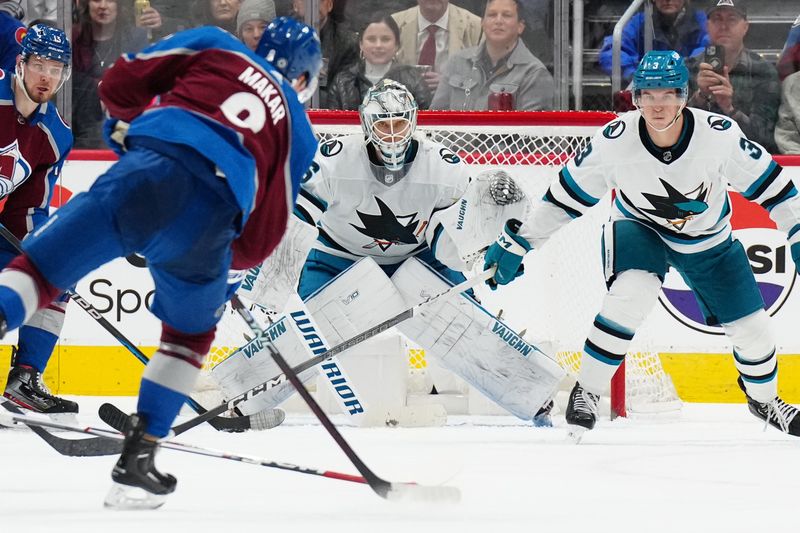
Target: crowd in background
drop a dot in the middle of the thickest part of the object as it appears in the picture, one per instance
(463, 54)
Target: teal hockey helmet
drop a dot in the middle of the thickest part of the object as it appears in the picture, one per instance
(662, 69)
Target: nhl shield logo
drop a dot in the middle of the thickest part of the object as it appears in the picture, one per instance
(770, 261)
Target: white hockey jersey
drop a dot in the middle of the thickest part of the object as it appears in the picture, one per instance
(358, 215)
(680, 192)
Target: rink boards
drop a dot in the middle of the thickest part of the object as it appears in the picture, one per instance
(89, 361)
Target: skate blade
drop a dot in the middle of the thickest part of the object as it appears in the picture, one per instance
(60, 418)
(575, 433)
(126, 498)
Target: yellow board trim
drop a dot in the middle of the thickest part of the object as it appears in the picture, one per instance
(114, 371)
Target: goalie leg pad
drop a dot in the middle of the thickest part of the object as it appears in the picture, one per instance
(252, 364)
(357, 299)
(476, 346)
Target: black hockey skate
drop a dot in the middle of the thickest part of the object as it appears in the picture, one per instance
(581, 412)
(777, 413)
(137, 483)
(26, 389)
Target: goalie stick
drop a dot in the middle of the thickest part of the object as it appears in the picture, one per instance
(385, 489)
(258, 421)
(12, 416)
(115, 417)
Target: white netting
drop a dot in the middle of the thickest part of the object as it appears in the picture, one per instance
(531, 146)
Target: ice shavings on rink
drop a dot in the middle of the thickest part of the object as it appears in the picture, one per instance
(711, 468)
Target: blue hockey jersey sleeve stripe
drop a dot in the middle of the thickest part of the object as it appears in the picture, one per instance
(548, 197)
(765, 180)
(573, 189)
(787, 192)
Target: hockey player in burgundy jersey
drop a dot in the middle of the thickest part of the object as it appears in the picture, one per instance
(34, 142)
(209, 170)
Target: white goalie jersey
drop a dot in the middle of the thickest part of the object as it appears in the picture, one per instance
(362, 209)
(681, 192)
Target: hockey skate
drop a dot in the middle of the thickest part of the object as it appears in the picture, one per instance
(581, 412)
(26, 388)
(777, 413)
(137, 483)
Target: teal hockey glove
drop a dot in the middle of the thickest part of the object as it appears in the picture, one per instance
(507, 253)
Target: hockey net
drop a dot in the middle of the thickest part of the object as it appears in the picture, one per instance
(558, 298)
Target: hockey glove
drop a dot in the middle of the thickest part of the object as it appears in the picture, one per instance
(114, 132)
(507, 253)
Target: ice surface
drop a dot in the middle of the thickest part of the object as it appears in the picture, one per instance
(712, 468)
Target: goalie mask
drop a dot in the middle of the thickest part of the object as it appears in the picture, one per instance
(389, 118)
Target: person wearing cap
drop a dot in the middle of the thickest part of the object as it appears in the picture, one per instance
(253, 17)
(745, 87)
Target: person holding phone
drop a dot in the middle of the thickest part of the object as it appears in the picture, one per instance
(732, 80)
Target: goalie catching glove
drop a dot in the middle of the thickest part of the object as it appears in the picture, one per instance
(114, 133)
(506, 253)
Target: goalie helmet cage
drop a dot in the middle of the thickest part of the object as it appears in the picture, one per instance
(566, 273)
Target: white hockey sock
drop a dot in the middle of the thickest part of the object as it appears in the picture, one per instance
(627, 303)
(754, 354)
(760, 376)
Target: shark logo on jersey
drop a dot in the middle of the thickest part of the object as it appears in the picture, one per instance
(387, 228)
(677, 208)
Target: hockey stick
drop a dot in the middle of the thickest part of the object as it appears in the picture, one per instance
(15, 416)
(114, 417)
(346, 345)
(383, 488)
(261, 420)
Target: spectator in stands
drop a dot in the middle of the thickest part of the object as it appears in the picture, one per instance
(359, 13)
(787, 129)
(339, 44)
(433, 31)
(221, 13)
(789, 62)
(165, 17)
(746, 88)
(253, 17)
(676, 26)
(379, 43)
(500, 73)
(104, 31)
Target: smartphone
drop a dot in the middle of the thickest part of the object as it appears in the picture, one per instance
(715, 56)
